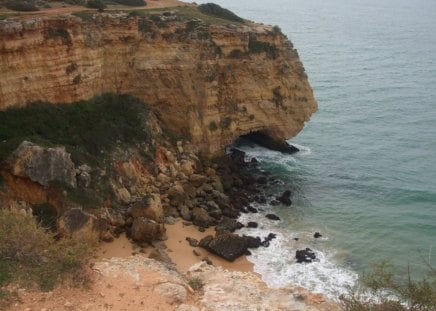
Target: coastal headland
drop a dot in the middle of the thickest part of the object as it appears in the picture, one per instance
(116, 127)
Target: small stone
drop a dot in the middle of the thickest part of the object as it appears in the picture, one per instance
(272, 217)
(317, 235)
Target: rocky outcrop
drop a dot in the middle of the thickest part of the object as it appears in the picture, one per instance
(43, 165)
(210, 83)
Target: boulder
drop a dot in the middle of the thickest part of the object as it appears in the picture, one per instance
(149, 207)
(201, 218)
(185, 213)
(272, 217)
(252, 224)
(192, 242)
(177, 195)
(285, 198)
(76, 222)
(145, 230)
(226, 245)
(43, 165)
(305, 255)
(317, 235)
(228, 224)
(197, 180)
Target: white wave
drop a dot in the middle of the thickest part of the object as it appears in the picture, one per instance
(278, 267)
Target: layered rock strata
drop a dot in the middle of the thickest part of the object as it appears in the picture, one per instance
(211, 83)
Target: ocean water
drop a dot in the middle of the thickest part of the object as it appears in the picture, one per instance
(366, 176)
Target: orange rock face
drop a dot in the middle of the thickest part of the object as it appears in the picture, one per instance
(209, 83)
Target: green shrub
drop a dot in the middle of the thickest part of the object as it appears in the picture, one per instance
(131, 2)
(277, 30)
(96, 4)
(390, 293)
(23, 6)
(218, 11)
(75, 2)
(213, 126)
(196, 283)
(255, 46)
(87, 127)
(46, 215)
(30, 253)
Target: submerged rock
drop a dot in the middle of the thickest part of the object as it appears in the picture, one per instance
(317, 235)
(285, 198)
(272, 217)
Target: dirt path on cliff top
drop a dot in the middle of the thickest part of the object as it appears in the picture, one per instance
(151, 4)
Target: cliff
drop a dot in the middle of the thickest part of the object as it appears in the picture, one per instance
(211, 82)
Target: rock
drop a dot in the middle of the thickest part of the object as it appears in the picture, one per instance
(177, 195)
(305, 255)
(196, 253)
(226, 245)
(252, 224)
(83, 173)
(238, 157)
(285, 198)
(274, 203)
(252, 209)
(123, 195)
(272, 217)
(201, 218)
(173, 293)
(262, 180)
(192, 242)
(260, 199)
(75, 221)
(317, 235)
(149, 207)
(296, 239)
(228, 224)
(197, 180)
(253, 242)
(145, 230)
(265, 242)
(106, 236)
(43, 165)
(185, 213)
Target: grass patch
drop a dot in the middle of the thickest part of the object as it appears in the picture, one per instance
(30, 254)
(218, 11)
(21, 5)
(130, 2)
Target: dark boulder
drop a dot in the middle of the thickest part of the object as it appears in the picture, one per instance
(252, 224)
(285, 198)
(251, 209)
(317, 235)
(253, 242)
(226, 245)
(193, 242)
(274, 203)
(228, 224)
(262, 180)
(272, 217)
(260, 199)
(305, 255)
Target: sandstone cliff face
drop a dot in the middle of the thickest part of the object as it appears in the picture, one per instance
(210, 83)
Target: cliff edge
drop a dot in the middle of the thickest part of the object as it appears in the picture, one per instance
(208, 79)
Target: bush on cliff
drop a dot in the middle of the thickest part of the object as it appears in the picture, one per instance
(218, 11)
(23, 6)
(381, 287)
(88, 129)
(96, 4)
(131, 2)
(29, 254)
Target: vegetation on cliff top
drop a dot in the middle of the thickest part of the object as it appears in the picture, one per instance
(218, 11)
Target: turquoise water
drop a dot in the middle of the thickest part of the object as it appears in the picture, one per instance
(367, 175)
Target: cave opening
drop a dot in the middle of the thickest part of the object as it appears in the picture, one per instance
(263, 139)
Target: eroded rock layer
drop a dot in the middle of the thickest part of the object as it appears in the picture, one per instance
(210, 83)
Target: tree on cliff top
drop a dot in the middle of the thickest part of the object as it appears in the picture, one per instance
(217, 11)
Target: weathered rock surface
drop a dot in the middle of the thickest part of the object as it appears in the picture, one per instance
(236, 291)
(145, 230)
(194, 82)
(43, 165)
(226, 245)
